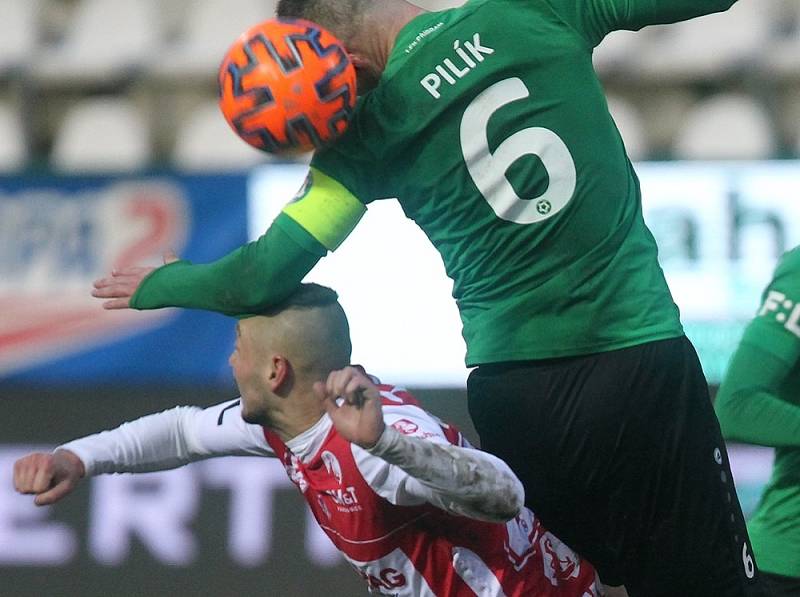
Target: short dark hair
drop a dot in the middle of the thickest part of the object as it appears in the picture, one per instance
(308, 295)
(338, 346)
(343, 18)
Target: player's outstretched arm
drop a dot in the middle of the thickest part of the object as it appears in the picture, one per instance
(170, 439)
(49, 477)
(460, 480)
(254, 276)
(748, 404)
(595, 19)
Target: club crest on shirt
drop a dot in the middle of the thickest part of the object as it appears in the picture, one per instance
(332, 465)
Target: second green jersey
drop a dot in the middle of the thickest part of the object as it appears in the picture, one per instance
(490, 127)
(759, 402)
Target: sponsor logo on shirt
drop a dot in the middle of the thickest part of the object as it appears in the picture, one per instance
(450, 70)
(393, 574)
(783, 309)
(345, 498)
(387, 578)
(405, 426)
(422, 35)
(560, 562)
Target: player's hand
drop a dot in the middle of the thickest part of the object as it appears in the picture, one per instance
(359, 419)
(121, 285)
(49, 477)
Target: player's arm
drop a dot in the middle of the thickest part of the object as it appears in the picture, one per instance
(751, 404)
(594, 19)
(411, 470)
(152, 443)
(254, 276)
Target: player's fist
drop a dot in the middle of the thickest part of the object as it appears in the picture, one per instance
(48, 476)
(359, 418)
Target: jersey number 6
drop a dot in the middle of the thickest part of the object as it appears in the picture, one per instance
(488, 170)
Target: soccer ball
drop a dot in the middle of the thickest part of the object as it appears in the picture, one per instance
(287, 86)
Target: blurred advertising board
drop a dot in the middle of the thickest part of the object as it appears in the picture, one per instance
(58, 234)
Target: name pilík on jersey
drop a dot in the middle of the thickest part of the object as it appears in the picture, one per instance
(471, 55)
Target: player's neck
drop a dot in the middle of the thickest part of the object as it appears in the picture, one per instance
(294, 416)
(384, 26)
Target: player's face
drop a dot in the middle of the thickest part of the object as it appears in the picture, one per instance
(246, 372)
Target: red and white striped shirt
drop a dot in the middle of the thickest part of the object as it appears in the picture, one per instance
(405, 548)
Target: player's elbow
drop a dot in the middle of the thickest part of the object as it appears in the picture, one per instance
(519, 498)
(506, 500)
(516, 501)
(729, 408)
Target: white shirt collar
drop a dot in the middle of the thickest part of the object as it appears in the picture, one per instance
(308, 443)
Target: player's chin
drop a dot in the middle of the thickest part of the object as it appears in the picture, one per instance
(249, 416)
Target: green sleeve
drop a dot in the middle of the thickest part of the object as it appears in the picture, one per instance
(254, 276)
(749, 405)
(594, 19)
(759, 399)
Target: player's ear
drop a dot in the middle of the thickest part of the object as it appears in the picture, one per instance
(279, 373)
(359, 60)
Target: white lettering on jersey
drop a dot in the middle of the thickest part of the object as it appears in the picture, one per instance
(472, 57)
(422, 35)
(785, 310)
(475, 573)
(393, 574)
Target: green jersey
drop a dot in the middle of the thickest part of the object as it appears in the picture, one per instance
(490, 127)
(759, 402)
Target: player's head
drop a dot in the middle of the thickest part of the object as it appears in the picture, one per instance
(284, 350)
(367, 28)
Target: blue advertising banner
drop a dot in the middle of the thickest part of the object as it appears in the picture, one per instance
(59, 234)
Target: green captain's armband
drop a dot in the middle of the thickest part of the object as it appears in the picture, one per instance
(325, 209)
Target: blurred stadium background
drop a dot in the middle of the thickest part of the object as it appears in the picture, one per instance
(112, 150)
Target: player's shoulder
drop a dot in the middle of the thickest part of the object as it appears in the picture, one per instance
(788, 267)
(392, 395)
(406, 414)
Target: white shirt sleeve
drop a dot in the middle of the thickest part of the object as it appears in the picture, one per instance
(413, 463)
(170, 439)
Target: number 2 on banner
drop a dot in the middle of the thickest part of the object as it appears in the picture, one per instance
(488, 170)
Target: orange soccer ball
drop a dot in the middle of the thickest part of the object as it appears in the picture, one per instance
(287, 86)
